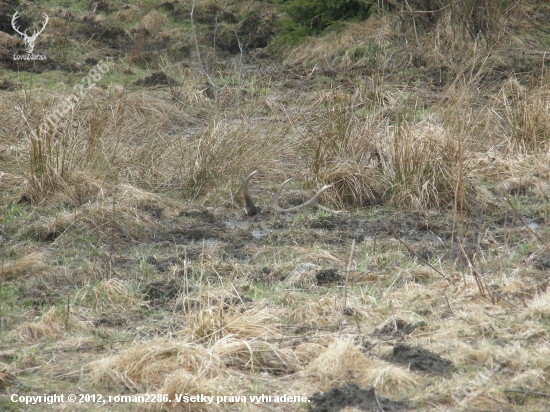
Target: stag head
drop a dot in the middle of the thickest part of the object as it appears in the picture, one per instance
(30, 40)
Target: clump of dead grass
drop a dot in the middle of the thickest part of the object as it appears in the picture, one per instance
(420, 166)
(28, 264)
(184, 382)
(9, 181)
(233, 149)
(326, 311)
(257, 355)
(148, 365)
(213, 322)
(526, 113)
(153, 22)
(111, 293)
(103, 218)
(343, 362)
(52, 325)
(538, 309)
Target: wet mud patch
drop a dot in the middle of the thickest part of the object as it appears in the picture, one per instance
(269, 276)
(396, 328)
(156, 79)
(327, 276)
(324, 222)
(420, 359)
(203, 226)
(352, 395)
(160, 291)
(113, 37)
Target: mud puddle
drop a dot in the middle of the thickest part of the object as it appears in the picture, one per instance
(352, 395)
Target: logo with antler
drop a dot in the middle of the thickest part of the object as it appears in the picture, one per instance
(30, 40)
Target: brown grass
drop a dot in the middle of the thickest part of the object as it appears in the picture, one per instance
(29, 264)
(51, 326)
(148, 364)
(153, 22)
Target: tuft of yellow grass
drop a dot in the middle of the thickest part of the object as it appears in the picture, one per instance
(538, 309)
(52, 325)
(127, 222)
(257, 355)
(111, 293)
(211, 322)
(9, 181)
(29, 264)
(183, 382)
(153, 22)
(343, 362)
(147, 365)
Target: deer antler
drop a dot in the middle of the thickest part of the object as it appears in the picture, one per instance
(251, 209)
(16, 28)
(30, 40)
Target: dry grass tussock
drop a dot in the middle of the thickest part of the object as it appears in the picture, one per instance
(28, 264)
(217, 319)
(234, 148)
(107, 136)
(147, 365)
(526, 111)
(110, 294)
(9, 181)
(418, 164)
(326, 311)
(153, 22)
(336, 49)
(343, 362)
(257, 355)
(52, 325)
(175, 367)
(136, 137)
(121, 211)
(538, 309)
(98, 218)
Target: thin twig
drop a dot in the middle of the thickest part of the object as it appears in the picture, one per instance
(344, 300)
(528, 392)
(449, 304)
(390, 229)
(480, 279)
(197, 46)
(526, 225)
(68, 312)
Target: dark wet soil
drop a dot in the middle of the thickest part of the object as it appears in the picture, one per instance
(162, 290)
(398, 328)
(327, 276)
(352, 395)
(156, 79)
(420, 359)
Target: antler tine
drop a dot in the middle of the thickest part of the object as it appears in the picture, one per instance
(314, 201)
(16, 28)
(43, 27)
(275, 200)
